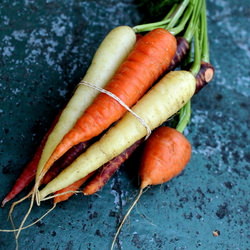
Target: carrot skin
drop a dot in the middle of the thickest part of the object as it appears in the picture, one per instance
(181, 51)
(25, 178)
(104, 173)
(67, 192)
(65, 161)
(138, 37)
(144, 65)
(165, 155)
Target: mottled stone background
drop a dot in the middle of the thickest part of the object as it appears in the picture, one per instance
(45, 49)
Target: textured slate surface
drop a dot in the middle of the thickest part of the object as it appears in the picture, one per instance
(45, 48)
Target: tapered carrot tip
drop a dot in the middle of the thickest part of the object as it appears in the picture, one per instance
(165, 155)
(4, 202)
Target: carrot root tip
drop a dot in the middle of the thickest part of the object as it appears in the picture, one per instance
(125, 217)
(4, 202)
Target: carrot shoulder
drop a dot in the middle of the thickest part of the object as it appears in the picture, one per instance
(150, 57)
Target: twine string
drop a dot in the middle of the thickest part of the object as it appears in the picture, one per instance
(142, 121)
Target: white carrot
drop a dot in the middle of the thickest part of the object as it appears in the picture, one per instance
(110, 54)
(162, 101)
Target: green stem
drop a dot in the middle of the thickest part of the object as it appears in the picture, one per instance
(176, 30)
(169, 21)
(205, 43)
(194, 20)
(184, 117)
(151, 26)
(201, 35)
(170, 13)
(178, 13)
(185, 112)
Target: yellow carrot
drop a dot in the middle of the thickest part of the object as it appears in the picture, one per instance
(110, 54)
(162, 101)
(150, 57)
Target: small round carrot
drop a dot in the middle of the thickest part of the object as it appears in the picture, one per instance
(165, 155)
(150, 57)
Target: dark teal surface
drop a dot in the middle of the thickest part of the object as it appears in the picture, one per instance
(45, 49)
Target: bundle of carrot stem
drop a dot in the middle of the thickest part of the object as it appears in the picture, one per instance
(138, 79)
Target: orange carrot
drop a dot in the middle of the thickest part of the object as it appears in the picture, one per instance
(165, 155)
(150, 57)
(29, 172)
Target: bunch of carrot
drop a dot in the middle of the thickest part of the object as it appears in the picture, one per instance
(129, 90)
